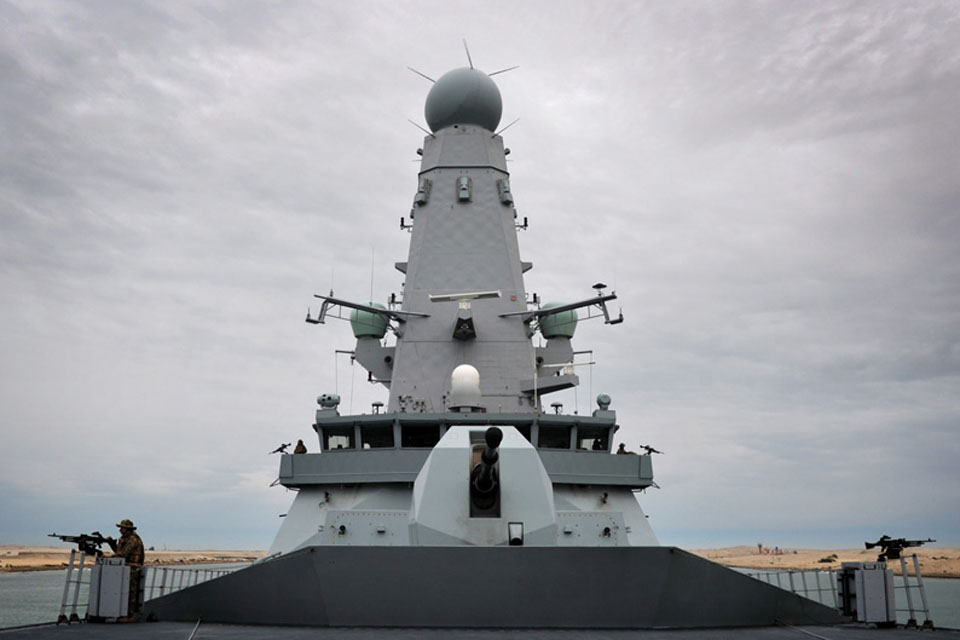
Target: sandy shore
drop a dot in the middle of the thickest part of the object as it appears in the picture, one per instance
(934, 563)
(21, 558)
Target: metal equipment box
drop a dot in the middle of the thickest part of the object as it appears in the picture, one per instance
(865, 590)
(109, 588)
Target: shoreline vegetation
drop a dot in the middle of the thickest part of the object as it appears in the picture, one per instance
(934, 562)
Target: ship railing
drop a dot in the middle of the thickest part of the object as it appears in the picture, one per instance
(908, 589)
(162, 580)
(72, 586)
(821, 586)
(817, 585)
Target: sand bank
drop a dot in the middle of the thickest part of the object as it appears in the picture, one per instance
(22, 558)
(934, 562)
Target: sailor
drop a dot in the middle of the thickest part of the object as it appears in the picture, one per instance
(300, 448)
(130, 548)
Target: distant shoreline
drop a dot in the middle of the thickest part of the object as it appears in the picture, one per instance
(15, 558)
(934, 562)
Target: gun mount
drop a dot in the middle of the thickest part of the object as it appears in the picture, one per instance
(891, 548)
(88, 543)
(484, 480)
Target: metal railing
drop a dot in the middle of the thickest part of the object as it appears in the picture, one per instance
(821, 586)
(816, 585)
(162, 580)
(918, 585)
(74, 582)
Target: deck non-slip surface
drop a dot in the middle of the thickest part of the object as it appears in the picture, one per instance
(182, 631)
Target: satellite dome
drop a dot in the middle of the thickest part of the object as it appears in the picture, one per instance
(463, 96)
(465, 387)
(366, 324)
(558, 325)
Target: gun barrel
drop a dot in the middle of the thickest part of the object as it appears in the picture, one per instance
(916, 543)
(88, 543)
(484, 485)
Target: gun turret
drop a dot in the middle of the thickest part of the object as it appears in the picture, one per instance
(89, 543)
(891, 548)
(484, 480)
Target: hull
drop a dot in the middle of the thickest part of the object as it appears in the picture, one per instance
(492, 587)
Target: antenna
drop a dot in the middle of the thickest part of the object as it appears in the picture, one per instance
(372, 264)
(421, 129)
(506, 127)
(422, 75)
(467, 49)
(504, 70)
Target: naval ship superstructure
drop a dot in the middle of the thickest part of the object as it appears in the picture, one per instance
(463, 503)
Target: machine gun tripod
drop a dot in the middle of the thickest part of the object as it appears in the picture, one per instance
(891, 548)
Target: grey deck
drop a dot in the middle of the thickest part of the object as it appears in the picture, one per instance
(182, 630)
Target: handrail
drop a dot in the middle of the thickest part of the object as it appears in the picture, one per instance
(825, 594)
(831, 588)
(163, 580)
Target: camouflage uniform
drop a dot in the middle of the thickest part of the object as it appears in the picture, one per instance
(130, 548)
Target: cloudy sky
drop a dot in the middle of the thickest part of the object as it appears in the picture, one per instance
(773, 189)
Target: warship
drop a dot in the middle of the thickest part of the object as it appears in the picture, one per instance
(462, 503)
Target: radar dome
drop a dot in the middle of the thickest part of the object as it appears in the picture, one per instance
(463, 96)
(465, 387)
(558, 325)
(366, 324)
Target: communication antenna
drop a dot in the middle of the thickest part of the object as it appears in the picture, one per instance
(372, 263)
(421, 129)
(422, 75)
(504, 70)
(467, 49)
(507, 127)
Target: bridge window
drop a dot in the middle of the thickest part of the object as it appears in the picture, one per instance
(376, 436)
(525, 432)
(554, 437)
(338, 438)
(416, 436)
(593, 438)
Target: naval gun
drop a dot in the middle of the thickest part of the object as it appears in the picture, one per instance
(88, 543)
(891, 548)
(484, 479)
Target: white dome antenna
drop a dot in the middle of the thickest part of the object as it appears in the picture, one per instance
(465, 389)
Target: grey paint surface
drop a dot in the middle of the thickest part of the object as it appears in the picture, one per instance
(502, 587)
(458, 246)
(403, 465)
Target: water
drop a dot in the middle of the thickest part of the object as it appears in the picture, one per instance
(33, 597)
(29, 597)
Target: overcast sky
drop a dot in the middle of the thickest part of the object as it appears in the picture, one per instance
(772, 188)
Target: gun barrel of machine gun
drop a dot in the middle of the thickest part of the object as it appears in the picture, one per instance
(896, 542)
(89, 543)
(890, 548)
